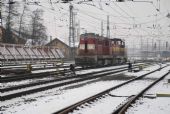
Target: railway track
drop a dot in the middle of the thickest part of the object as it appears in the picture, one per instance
(32, 75)
(38, 75)
(55, 83)
(123, 108)
(91, 99)
(55, 80)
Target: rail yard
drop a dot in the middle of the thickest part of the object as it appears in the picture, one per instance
(112, 86)
(85, 56)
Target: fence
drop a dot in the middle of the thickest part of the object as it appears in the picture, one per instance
(21, 53)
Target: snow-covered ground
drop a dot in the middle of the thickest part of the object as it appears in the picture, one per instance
(99, 107)
(108, 104)
(160, 105)
(146, 70)
(49, 101)
(15, 83)
(157, 105)
(54, 99)
(34, 87)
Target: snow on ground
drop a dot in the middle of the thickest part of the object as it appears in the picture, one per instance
(158, 105)
(131, 88)
(3, 85)
(54, 99)
(25, 66)
(145, 70)
(160, 73)
(16, 83)
(106, 105)
(99, 107)
(79, 72)
(161, 87)
(34, 87)
(99, 69)
(46, 70)
(104, 68)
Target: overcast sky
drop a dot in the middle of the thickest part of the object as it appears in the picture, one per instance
(132, 21)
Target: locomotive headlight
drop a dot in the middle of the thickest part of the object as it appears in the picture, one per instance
(82, 46)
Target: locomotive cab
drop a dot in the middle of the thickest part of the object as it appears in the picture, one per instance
(86, 49)
(118, 50)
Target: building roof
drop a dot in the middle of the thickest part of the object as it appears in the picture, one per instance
(56, 40)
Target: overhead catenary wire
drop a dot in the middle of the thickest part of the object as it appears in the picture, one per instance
(105, 12)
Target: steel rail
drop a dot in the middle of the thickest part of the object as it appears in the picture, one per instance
(36, 75)
(122, 109)
(92, 98)
(55, 80)
(14, 95)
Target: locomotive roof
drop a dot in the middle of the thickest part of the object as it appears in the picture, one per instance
(97, 36)
(116, 39)
(89, 34)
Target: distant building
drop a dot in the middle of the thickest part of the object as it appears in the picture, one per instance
(60, 45)
(150, 54)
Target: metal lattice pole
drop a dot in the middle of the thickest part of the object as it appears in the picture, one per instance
(71, 33)
(102, 28)
(0, 13)
(108, 28)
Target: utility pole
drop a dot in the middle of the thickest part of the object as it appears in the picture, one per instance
(133, 51)
(147, 48)
(108, 29)
(166, 54)
(153, 48)
(102, 28)
(78, 31)
(0, 13)
(159, 49)
(152, 44)
(141, 47)
(166, 45)
(71, 33)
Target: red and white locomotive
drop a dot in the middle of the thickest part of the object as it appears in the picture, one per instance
(95, 50)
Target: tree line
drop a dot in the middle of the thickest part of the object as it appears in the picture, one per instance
(25, 23)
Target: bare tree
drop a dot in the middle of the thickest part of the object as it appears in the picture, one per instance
(38, 34)
(10, 16)
(21, 21)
